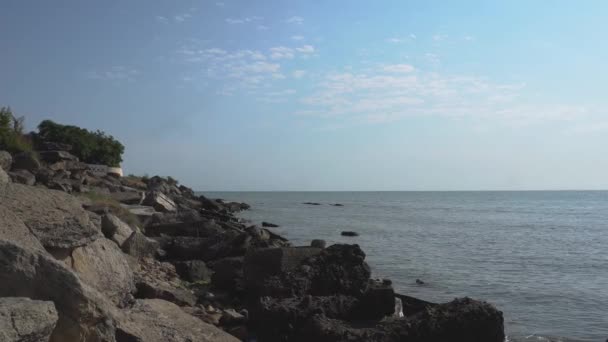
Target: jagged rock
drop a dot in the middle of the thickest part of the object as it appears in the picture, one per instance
(26, 320)
(193, 270)
(228, 274)
(12, 229)
(56, 218)
(56, 156)
(139, 246)
(115, 229)
(269, 225)
(84, 314)
(128, 197)
(164, 291)
(159, 201)
(104, 267)
(318, 243)
(264, 263)
(147, 321)
(23, 177)
(4, 178)
(377, 301)
(230, 317)
(202, 228)
(133, 183)
(6, 160)
(25, 161)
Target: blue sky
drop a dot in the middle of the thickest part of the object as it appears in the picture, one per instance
(324, 95)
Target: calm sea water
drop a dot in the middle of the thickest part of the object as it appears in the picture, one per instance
(540, 257)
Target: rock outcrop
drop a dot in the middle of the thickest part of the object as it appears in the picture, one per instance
(26, 320)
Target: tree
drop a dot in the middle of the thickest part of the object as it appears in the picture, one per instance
(91, 147)
(12, 138)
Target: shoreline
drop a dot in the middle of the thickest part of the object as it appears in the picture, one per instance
(137, 249)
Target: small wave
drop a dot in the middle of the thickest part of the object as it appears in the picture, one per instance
(538, 338)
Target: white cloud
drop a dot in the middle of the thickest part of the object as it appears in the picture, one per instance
(299, 74)
(295, 20)
(281, 52)
(399, 68)
(235, 21)
(306, 49)
(180, 18)
(394, 40)
(371, 96)
(439, 37)
(162, 19)
(262, 28)
(115, 73)
(432, 58)
(297, 38)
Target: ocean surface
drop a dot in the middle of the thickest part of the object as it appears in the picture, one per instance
(540, 256)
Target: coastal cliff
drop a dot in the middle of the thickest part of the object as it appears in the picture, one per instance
(85, 257)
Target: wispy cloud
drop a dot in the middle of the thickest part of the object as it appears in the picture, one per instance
(374, 96)
(114, 73)
(399, 40)
(177, 18)
(439, 37)
(295, 20)
(306, 49)
(236, 21)
(262, 28)
(299, 73)
(398, 68)
(297, 38)
(281, 52)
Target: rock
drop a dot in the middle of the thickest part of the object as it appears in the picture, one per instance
(419, 282)
(200, 228)
(128, 197)
(102, 265)
(25, 161)
(23, 177)
(230, 318)
(23, 320)
(376, 302)
(312, 203)
(140, 246)
(159, 201)
(56, 156)
(133, 182)
(318, 243)
(228, 274)
(164, 291)
(14, 230)
(84, 315)
(143, 212)
(193, 271)
(115, 229)
(6, 160)
(337, 205)
(269, 225)
(53, 146)
(55, 218)
(147, 321)
(349, 233)
(4, 178)
(261, 264)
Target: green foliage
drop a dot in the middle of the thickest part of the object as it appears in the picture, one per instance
(12, 138)
(91, 147)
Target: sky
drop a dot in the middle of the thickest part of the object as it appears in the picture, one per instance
(323, 95)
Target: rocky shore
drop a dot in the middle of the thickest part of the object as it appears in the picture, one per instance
(106, 258)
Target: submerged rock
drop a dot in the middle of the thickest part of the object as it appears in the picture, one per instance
(269, 225)
(349, 233)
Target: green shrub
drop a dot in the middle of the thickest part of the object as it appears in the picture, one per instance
(114, 207)
(12, 138)
(91, 147)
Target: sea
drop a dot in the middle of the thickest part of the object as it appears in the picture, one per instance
(540, 256)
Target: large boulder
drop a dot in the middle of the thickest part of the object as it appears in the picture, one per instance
(162, 290)
(25, 161)
(6, 160)
(159, 201)
(12, 229)
(155, 320)
(104, 267)
(200, 228)
(140, 246)
(115, 229)
(128, 197)
(26, 320)
(193, 271)
(57, 219)
(84, 314)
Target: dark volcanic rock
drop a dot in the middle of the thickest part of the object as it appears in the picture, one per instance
(318, 243)
(349, 233)
(312, 203)
(269, 225)
(228, 274)
(337, 205)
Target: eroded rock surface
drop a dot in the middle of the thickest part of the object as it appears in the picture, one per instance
(26, 320)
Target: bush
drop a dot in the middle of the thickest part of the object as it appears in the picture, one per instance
(91, 147)
(114, 207)
(12, 138)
